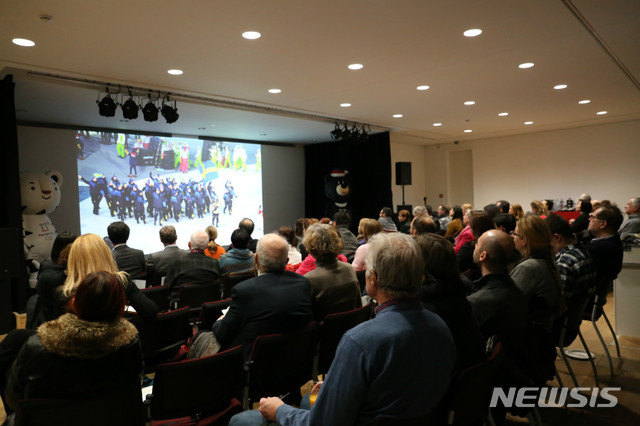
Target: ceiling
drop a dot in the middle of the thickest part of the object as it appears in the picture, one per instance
(304, 50)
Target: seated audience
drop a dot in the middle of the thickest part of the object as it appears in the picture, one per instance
(539, 209)
(465, 235)
(443, 215)
(342, 221)
(479, 223)
(294, 255)
(581, 223)
(248, 225)
(370, 228)
(492, 210)
(88, 350)
(213, 249)
(455, 226)
(276, 301)
(157, 264)
(516, 211)
(631, 225)
(606, 247)
(194, 268)
(536, 274)
(307, 223)
(505, 222)
(239, 260)
(423, 224)
(386, 220)
(503, 205)
(404, 221)
(334, 285)
(128, 259)
(369, 379)
(442, 292)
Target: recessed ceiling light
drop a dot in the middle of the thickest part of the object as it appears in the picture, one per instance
(584, 101)
(422, 87)
(503, 114)
(560, 86)
(468, 131)
(397, 115)
(175, 72)
(345, 105)
(275, 91)
(355, 66)
(472, 32)
(201, 128)
(23, 42)
(437, 124)
(251, 35)
(601, 112)
(470, 103)
(527, 123)
(213, 125)
(263, 134)
(526, 65)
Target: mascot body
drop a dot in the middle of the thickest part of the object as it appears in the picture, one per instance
(40, 194)
(337, 188)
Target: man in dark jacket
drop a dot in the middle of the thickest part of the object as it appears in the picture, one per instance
(128, 259)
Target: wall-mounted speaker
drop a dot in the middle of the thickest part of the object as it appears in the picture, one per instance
(403, 173)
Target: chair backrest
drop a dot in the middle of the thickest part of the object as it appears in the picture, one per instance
(333, 328)
(210, 313)
(198, 387)
(112, 406)
(159, 295)
(469, 399)
(280, 363)
(230, 281)
(195, 295)
(572, 319)
(161, 337)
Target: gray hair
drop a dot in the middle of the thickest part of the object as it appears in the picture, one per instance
(419, 211)
(273, 252)
(397, 260)
(199, 240)
(635, 201)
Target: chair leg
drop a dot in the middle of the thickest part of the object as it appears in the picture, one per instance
(564, 356)
(613, 333)
(604, 345)
(593, 364)
(558, 376)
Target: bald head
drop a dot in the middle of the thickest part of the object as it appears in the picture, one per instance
(199, 240)
(493, 251)
(272, 253)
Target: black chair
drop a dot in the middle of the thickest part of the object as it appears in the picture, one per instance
(159, 295)
(210, 312)
(280, 363)
(468, 400)
(206, 388)
(162, 337)
(194, 295)
(333, 328)
(111, 406)
(229, 282)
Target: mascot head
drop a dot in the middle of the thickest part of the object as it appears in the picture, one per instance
(40, 192)
(337, 186)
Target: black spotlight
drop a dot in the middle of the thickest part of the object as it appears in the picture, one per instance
(170, 113)
(130, 109)
(336, 133)
(107, 106)
(150, 112)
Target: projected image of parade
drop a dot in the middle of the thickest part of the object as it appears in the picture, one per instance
(150, 181)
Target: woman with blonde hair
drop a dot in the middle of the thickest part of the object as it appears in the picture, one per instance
(370, 227)
(539, 209)
(89, 253)
(536, 274)
(516, 211)
(213, 250)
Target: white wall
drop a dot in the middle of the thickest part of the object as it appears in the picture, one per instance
(600, 160)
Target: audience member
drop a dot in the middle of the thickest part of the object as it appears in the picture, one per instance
(505, 222)
(631, 225)
(404, 221)
(423, 224)
(307, 223)
(539, 209)
(239, 260)
(157, 264)
(420, 211)
(82, 352)
(370, 228)
(334, 285)
(465, 235)
(275, 301)
(442, 292)
(492, 210)
(455, 226)
(342, 221)
(290, 236)
(299, 228)
(517, 211)
(581, 223)
(194, 268)
(213, 249)
(443, 216)
(247, 225)
(503, 205)
(536, 275)
(386, 220)
(128, 259)
(369, 378)
(479, 223)
(606, 247)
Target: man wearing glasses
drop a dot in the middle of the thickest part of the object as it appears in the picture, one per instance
(606, 248)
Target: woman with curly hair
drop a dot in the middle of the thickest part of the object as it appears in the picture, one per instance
(539, 209)
(516, 211)
(370, 227)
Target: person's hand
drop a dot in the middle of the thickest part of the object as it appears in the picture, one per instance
(269, 406)
(316, 388)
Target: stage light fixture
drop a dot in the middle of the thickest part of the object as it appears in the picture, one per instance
(107, 106)
(169, 113)
(336, 133)
(130, 108)
(150, 112)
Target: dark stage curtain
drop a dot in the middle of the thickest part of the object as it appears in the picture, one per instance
(13, 279)
(369, 165)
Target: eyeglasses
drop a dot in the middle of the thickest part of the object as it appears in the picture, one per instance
(594, 217)
(513, 234)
